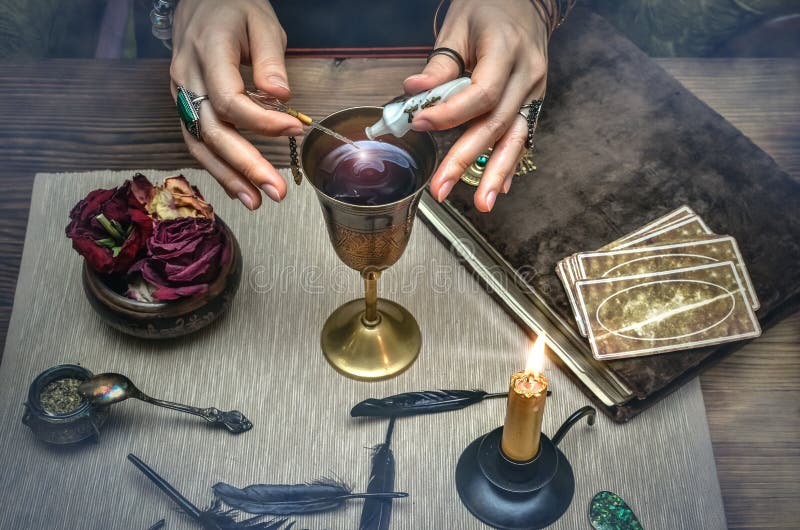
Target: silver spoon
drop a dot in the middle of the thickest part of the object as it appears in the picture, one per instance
(105, 389)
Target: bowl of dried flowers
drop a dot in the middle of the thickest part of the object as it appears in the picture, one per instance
(158, 263)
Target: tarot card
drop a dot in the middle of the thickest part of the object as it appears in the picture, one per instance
(644, 260)
(671, 217)
(688, 229)
(645, 314)
(569, 287)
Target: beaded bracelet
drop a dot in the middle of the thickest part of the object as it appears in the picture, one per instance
(554, 12)
(161, 18)
(553, 18)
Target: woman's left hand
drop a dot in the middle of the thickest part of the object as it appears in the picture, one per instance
(504, 43)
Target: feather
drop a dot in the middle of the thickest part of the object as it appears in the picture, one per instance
(214, 518)
(288, 499)
(425, 402)
(376, 513)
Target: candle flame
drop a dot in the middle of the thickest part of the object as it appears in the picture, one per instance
(535, 360)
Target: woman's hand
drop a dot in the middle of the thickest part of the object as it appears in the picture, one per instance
(210, 40)
(504, 43)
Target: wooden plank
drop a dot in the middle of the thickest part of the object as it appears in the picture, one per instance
(63, 115)
(761, 97)
(752, 397)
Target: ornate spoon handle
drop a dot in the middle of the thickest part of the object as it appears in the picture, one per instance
(233, 420)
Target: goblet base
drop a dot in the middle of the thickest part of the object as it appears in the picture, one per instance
(366, 352)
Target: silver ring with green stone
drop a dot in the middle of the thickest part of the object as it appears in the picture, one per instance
(188, 104)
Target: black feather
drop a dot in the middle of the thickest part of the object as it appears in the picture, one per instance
(290, 499)
(425, 402)
(214, 518)
(376, 513)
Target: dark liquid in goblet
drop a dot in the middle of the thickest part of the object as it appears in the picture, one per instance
(376, 173)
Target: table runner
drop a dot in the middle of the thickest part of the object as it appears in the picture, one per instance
(263, 358)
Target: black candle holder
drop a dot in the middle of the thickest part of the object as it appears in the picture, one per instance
(513, 495)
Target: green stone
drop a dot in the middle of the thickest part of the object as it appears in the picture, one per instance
(185, 109)
(481, 161)
(608, 511)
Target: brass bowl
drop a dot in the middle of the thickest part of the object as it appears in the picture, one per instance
(166, 320)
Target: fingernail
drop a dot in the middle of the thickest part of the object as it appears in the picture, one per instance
(507, 183)
(490, 198)
(421, 125)
(444, 190)
(415, 76)
(246, 200)
(272, 192)
(278, 81)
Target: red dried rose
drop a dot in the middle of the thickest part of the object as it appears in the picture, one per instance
(184, 256)
(109, 228)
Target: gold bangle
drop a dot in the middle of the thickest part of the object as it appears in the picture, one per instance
(436, 18)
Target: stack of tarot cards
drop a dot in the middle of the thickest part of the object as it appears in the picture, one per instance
(671, 285)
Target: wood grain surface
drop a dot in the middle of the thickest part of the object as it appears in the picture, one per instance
(69, 115)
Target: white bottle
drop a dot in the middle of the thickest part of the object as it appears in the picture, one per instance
(397, 116)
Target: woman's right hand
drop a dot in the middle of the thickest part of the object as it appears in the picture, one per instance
(210, 40)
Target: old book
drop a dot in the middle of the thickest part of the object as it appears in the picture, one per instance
(620, 142)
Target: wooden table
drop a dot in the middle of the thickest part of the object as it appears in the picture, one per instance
(62, 115)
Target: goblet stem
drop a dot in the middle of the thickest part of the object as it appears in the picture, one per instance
(371, 316)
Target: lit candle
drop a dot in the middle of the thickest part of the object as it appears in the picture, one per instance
(526, 398)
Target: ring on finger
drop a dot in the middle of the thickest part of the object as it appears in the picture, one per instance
(474, 172)
(451, 53)
(188, 106)
(534, 108)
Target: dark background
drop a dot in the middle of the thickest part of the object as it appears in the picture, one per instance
(662, 28)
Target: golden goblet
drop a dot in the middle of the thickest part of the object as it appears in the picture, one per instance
(373, 338)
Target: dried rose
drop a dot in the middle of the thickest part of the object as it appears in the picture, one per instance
(184, 256)
(140, 290)
(109, 228)
(142, 189)
(174, 198)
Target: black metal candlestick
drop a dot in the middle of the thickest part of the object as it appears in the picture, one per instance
(513, 495)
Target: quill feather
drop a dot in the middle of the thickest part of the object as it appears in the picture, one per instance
(425, 402)
(213, 518)
(288, 499)
(377, 513)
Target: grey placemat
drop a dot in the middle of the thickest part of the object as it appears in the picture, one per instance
(264, 359)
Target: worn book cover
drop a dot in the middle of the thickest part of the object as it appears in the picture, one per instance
(620, 142)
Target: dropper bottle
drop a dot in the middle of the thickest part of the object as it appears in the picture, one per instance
(397, 116)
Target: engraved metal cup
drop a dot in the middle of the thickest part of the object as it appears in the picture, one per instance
(373, 338)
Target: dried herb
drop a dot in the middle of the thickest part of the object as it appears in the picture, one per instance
(61, 396)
